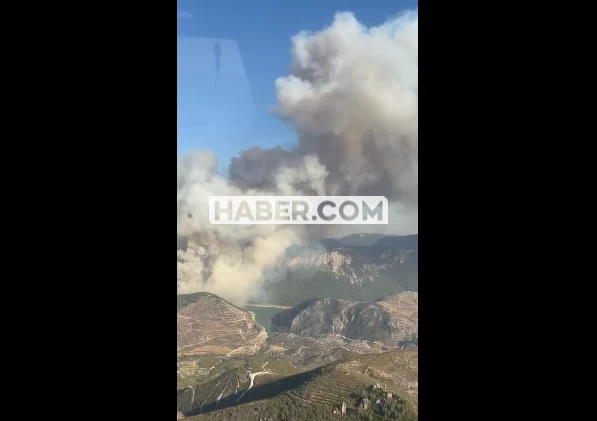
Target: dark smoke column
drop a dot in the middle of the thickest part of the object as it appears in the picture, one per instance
(217, 54)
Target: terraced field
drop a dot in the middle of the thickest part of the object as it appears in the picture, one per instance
(309, 352)
(194, 370)
(211, 324)
(311, 395)
(207, 395)
(400, 369)
(330, 389)
(239, 378)
(286, 354)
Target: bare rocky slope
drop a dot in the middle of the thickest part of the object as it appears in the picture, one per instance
(206, 323)
(392, 320)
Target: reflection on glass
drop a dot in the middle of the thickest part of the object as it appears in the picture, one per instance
(214, 96)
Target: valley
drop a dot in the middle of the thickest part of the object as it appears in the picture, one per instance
(263, 314)
(305, 359)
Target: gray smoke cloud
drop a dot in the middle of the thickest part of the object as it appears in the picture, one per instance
(352, 98)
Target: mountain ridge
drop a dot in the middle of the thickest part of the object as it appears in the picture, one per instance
(393, 320)
(383, 384)
(348, 272)
(207, 323)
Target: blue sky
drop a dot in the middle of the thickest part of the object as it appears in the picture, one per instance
(228, 111)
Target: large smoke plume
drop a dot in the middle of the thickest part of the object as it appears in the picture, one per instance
(352, 98)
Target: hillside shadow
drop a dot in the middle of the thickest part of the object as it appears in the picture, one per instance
(264, 391)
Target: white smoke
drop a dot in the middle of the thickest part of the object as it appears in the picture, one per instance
(227, 260)
(352, 98)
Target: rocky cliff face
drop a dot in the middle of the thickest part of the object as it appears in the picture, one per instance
(348, 272)
(392, 320)
(356, 266)
(339, 264)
